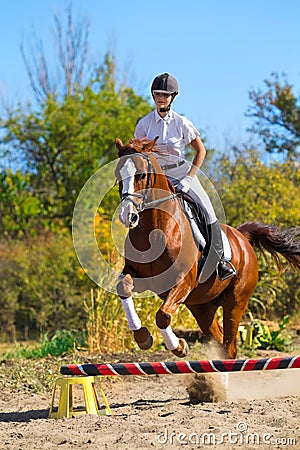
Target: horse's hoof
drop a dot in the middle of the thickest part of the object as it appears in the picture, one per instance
(143, 338)
(182, 350)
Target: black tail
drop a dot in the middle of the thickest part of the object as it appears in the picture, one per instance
(275, 241)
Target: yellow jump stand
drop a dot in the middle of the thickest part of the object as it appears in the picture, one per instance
(66, 407)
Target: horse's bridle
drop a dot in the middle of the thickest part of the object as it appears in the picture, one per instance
(140, 207)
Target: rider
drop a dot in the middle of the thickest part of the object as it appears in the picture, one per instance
(175, 133)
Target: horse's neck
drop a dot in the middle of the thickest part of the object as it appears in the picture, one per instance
(161, 217)
(167, 205)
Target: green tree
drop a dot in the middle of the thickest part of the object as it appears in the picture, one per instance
(20, 211)
(71, 129)
(252, 190)
(276, 111)
(64, 143)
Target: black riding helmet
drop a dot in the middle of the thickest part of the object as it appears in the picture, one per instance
(165, 83)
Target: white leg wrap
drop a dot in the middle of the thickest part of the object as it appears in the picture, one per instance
(134, 322)
(170, 338)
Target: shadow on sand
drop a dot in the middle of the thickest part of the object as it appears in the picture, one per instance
(24, 416)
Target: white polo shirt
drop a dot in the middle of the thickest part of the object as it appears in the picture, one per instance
(175, 133)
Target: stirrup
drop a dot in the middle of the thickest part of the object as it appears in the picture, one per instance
(231, 272)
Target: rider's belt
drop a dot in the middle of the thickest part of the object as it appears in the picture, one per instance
(172, 166)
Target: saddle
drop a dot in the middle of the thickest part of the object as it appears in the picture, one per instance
(201, 230)
(194, 212)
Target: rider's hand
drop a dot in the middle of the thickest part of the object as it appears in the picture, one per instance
(185, 184)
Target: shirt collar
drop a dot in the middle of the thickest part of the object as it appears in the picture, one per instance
(166, 119)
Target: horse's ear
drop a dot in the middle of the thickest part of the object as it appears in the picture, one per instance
(119, 144)
(149, 146)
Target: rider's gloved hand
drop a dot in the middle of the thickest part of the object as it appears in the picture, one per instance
(185, 184)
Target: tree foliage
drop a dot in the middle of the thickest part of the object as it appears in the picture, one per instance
(253, 191)
(65, 142)
(20, 210)
(70, 130)
(276, 111)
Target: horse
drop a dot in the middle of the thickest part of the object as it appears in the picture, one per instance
(161, 255)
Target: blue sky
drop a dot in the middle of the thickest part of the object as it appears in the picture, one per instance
(218, 50)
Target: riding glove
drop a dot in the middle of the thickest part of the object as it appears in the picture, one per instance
(185, 184)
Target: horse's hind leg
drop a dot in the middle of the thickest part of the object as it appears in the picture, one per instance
(205, 315)
(141, 334)
(234, 306)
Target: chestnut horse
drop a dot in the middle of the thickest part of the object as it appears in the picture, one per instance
(161, 255)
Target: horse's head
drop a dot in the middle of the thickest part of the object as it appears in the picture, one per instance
(136, 172)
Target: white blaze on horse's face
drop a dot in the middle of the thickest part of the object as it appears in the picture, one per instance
(128, 214)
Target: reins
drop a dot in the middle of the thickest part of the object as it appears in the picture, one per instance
(140, 207)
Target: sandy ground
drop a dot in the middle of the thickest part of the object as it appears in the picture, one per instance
(262, 410)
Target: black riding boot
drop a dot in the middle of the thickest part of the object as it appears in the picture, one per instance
(224, 268)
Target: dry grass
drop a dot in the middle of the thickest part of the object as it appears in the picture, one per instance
(107, 325)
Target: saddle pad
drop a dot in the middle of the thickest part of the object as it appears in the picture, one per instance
(189, 206)
(226, 246)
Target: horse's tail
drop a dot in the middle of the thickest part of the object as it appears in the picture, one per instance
(275, 241)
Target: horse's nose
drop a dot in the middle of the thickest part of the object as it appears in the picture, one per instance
(133, 219)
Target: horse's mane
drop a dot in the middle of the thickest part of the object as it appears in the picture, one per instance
(143, 146)
(138, 146)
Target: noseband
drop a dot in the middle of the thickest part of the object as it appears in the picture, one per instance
(140, 207)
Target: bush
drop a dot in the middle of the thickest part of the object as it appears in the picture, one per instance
(63, 341)
(42, 287)
(267, 339)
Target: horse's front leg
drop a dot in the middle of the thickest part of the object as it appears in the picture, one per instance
(141, 334)
(178, 346)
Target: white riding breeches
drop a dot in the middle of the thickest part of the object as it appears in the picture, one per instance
(196, 191)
